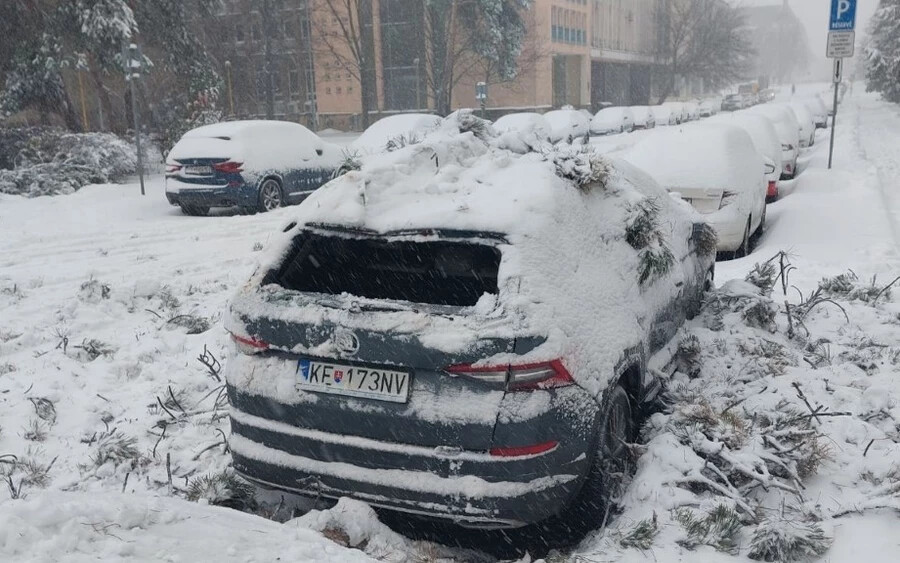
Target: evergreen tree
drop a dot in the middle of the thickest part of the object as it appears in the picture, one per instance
(883, 52)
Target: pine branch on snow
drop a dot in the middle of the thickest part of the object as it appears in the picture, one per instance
(718, 528)
(783, 540)
(586, 168)
(222, 489)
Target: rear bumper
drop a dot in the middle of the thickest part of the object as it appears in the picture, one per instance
(472, 489)
(183, 193)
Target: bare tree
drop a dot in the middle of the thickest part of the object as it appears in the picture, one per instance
(704, 39)
(343, 33)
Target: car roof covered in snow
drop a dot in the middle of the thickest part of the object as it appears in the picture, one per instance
(235, 129)
(376, 137)
(703, 155)
(525, 122)
(450, 180)
(760, 129)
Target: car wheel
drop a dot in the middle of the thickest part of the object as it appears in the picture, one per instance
(613, 464)
(270, 195)
(194, 210)
(744, 249)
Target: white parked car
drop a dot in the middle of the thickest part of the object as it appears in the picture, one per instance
(616, 119)
(715, 167)
(765, 139)
(819, 111)
(709, 107)
(567, 124)
(692, 110)
(528, 123)
(411, 126)
(255, 165)
(644, 118)
(806, 122)
(666, 115)
(679, 111)
(785, 122)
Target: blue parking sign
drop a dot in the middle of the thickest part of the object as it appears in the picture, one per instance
(843, 15)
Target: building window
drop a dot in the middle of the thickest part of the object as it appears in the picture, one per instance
(328, 90)
(239, 34)
(294, 83)
(337, 90)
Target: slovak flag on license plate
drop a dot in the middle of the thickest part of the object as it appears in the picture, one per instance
(338, 375)
(304, 369)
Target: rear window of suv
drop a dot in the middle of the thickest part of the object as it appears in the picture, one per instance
(443, 272)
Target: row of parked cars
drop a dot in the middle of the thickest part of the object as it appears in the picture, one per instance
(262, 165)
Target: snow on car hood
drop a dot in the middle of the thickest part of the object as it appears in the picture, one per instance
(567, 273)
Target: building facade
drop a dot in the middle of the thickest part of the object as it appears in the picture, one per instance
(583, 53)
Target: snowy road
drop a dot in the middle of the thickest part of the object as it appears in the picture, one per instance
(108, 298)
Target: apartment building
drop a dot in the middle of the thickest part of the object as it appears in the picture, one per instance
(576, 52)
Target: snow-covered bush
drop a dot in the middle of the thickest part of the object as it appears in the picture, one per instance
(54, 162)
(787, 539)
(222, 489)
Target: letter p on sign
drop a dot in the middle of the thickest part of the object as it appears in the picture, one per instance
(843, 15)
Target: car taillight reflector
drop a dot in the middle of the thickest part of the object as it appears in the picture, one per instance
(772, 190)
(522, 377)
(172, 168)
(248, 344)
(522, 451)
(229, 167)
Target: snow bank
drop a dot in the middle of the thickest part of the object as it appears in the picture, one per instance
(70, 527)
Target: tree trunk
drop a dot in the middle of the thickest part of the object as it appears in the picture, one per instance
(68, 113)
(103, 95)
(268, 32)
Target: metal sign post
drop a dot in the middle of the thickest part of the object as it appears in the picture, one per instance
(481, 96)
(131, 60)
(841, 43)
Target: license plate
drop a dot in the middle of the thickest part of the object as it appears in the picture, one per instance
(355, 381)
(198, 170)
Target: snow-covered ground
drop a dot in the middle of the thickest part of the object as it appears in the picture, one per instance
(110, 338)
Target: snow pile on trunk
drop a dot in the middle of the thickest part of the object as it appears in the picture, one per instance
(55, 162)
(779, 425)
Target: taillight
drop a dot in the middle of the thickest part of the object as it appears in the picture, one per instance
(249, 345)
(772, 190)
(522, 377)
(172, 168)
(229, 167)
(727, 199)
(522, 451)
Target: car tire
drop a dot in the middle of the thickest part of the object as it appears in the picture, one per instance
(194, 210)
(271, 196)
(744, 249)
(612, 468)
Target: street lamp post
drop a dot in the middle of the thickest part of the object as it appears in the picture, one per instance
(230, 93)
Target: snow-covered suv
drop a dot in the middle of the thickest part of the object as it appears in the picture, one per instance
(256, 165)
(460, 331)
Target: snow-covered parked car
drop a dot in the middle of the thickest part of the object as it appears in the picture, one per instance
(716, 168)
(818, 109)
(692, 109)
(678, 109)
(255, 165)
(785, 122)
(765, 139)
(643, 117)
(414, 344)
(614, 119)
(567, 124)
(666, 115)
(806, 122)
(526, 122)
(709, 107)
(408, 126)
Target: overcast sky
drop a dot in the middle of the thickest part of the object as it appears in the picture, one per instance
(814, 14)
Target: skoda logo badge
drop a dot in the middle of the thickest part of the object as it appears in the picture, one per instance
(346, 341)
